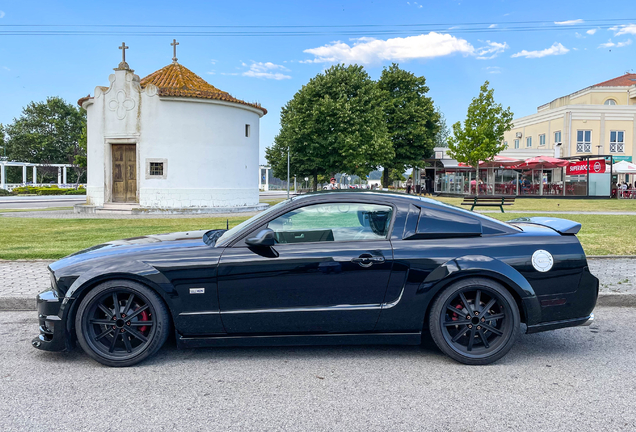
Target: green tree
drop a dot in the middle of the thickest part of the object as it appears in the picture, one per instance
(334, 123)
(444, 133)
(411, 119)
(47, 132)
(481, 136)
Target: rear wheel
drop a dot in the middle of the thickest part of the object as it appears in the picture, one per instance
(475, 321)
(120, 323)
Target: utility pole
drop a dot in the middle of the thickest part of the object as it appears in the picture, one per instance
(287, 172)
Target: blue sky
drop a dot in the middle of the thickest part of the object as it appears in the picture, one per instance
(456, 45)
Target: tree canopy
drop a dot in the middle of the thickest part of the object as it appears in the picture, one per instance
(411, 119)
(46, 133)
(334, 123)
(481, 136)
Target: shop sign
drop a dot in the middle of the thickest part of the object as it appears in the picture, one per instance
(619, 158)
(580, 168)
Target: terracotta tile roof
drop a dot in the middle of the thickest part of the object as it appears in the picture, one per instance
(177, 80)
(80, 101)
(626, 80)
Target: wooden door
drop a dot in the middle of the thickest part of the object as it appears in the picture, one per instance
(124, 173)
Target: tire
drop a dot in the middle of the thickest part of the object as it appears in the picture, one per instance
(128, 334)
(490, 332)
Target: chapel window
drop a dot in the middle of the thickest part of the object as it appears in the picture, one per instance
(156, 168)
(247, 131)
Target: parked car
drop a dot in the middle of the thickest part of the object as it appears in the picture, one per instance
(352, 267)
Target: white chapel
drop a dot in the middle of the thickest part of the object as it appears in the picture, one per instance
(170, 142)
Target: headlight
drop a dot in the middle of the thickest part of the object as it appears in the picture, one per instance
(53, 281)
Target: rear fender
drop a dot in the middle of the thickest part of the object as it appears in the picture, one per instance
(484, 266)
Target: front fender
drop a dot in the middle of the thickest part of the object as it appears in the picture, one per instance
(484, 266)
(133, 270)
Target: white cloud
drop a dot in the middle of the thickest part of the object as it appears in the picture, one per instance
(493, 69)
(370, 50)
(2, 14)
(492, 26)
(591, 31)
(414, 4)
(555, 49)
(491, 50)
(624, 29)
(579, 35)
(213, 61)
(6, 68)
(211, 73)
(569, 22)
(611, 44)
(266, 70)
(229, 73)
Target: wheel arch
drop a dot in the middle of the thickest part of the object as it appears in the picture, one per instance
(79, 291)
(479, 266)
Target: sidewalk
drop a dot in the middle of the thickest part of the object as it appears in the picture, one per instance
(21, 281)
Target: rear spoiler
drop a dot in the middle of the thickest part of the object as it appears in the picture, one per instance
(562, 226)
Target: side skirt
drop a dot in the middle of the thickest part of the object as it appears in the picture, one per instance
(291, 340)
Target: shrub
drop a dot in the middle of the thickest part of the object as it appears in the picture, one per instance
(80, 191)
(4, 192)
(52, 190)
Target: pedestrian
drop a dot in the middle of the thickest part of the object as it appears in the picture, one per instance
(332, 184)
(409, 185)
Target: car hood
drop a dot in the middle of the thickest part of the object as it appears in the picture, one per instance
(141, 246)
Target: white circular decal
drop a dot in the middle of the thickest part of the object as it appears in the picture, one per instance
(542, 260)
(597, 166)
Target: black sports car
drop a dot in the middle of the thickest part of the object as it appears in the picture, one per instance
(324, 268)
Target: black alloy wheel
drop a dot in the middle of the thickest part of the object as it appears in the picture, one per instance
(120, 323)
(475, 321)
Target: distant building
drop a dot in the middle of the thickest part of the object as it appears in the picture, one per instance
(171, 141)
(600, 119)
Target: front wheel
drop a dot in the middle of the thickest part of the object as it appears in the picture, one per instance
(120, 323)
(475, 321)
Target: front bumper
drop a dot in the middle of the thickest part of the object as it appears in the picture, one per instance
(52, 335)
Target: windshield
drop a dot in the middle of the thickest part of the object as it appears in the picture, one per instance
(254, 220)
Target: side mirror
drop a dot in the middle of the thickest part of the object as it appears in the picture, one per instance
(265, 237)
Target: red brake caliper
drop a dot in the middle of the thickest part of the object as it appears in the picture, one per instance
(455, 317)
(144, 317)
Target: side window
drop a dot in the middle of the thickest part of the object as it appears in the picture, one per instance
(333, 222)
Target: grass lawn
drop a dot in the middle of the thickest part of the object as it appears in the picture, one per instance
(27, 238)
(556, 204)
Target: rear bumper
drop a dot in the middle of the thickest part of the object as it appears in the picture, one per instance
(553, 325)
(52, 335)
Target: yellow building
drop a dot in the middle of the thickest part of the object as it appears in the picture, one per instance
(600, 119)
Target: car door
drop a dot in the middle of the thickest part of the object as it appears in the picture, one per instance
(328, 272)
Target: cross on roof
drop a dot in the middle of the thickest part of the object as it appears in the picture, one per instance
(123, 49)
(174, 49)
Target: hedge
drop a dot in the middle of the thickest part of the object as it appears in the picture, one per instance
(52, 190)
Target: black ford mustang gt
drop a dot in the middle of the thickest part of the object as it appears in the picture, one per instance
(325, 268)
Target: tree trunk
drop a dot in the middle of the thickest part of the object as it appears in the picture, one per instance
(385, 178)
(477, 179)
(315, 181)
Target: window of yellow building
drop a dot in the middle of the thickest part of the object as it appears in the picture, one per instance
(517, 143)
(610, 102)
(617, 142)
(528, 141)
(557, 137)
(542, 139)
(583, 141)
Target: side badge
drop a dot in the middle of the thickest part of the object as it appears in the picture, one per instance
(197, 290)
(542, 260)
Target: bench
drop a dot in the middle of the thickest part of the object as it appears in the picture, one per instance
(488, 201)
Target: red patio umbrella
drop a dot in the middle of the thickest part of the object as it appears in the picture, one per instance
(539, 162)
(500, 162)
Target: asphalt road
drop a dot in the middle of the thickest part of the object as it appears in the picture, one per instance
(577, 379)
(41, 201)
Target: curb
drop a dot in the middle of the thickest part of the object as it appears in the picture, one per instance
(604, 299)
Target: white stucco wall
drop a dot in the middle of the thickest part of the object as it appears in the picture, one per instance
(209, 161)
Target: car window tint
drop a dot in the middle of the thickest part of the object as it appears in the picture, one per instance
(333, 222)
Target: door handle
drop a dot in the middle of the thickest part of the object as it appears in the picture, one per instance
(367, 260)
